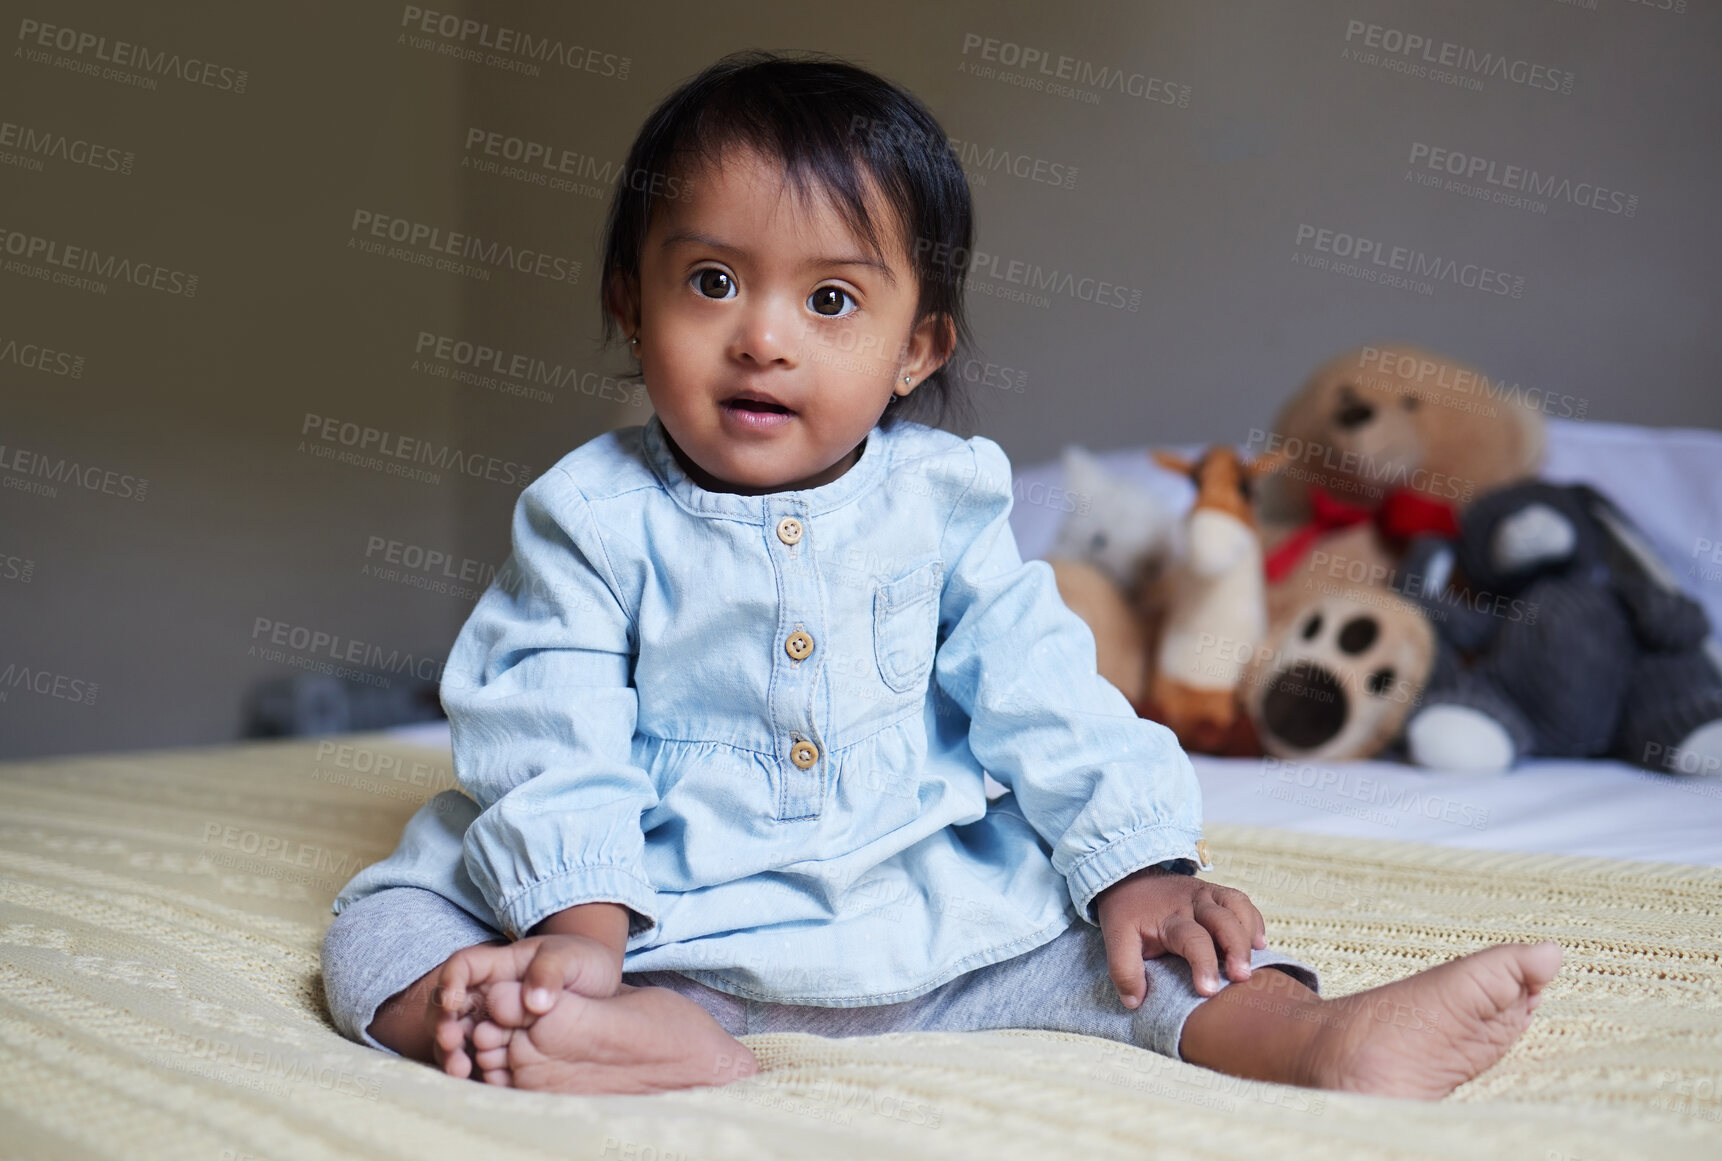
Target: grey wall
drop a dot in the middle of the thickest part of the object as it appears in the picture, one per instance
(1191, 206)
(1201, 207)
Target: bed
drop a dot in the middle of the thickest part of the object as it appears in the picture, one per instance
(161, 913)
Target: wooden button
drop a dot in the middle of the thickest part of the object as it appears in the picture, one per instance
(1202, 852)
(798, 645)
(789, 530)
(804, 754)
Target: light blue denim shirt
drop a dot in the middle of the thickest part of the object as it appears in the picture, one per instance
(760, 722)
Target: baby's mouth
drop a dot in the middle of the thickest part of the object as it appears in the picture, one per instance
(757, 406)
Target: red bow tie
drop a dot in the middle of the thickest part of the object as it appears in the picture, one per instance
(1403, 514)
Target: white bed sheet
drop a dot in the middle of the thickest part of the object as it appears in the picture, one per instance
(1670, 482)
(1566, 807)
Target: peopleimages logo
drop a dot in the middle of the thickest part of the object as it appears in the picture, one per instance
(1374, 261)
(27, 248)
(317, 645)
(47, 683)
(1488, 179)
(1041, 70)
(20, 464)
(554, 167)
(513, 373)
(387, 450)
(33, 143)
(468, 247)
(124, 54)
(1000, 276)
(1379, 473)
(1424, 56)
(36, 357)
(1371, 791)
(979, 161)
(464, 38)
(1413, 374)
(985, 161)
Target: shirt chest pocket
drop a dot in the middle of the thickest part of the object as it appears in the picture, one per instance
(906, 625)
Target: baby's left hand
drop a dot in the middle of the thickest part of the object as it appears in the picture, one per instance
(1153, 912)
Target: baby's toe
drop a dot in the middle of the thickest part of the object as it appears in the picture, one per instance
(490, 1059)
(451, 1034)
(457, 1063)
(503, 1004)
(486, 1035)
(500, 1077)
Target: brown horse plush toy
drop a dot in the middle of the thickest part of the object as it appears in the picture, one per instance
(1215, 611)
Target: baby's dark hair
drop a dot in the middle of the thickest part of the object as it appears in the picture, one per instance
(827, 120)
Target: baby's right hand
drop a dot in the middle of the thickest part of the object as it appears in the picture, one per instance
(542, 964)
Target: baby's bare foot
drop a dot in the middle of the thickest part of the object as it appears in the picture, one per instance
(641, 1040)
(1425, 1035)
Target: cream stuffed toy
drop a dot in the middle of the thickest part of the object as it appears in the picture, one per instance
(1215, 602)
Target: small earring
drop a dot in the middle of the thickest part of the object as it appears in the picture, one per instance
(635, 340)
(905, 378)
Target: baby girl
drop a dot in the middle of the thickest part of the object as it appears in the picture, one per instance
(721, 739)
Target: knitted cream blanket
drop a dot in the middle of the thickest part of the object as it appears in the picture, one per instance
(160, 917)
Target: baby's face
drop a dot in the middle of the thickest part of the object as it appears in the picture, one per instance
(746, 293)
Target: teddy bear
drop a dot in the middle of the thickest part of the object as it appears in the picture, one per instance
(1562, 635)
(1382, 444)
(1338, 678)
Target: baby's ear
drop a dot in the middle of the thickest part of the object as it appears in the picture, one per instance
(945, 344)
(936, 337)
(622, 303)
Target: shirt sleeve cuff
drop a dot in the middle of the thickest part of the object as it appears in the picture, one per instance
(1127, 855)
(524, 910)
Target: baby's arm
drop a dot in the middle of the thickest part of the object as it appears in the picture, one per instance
(542, 711)
(1109, 792)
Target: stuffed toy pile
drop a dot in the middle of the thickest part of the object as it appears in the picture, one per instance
(1386, 574)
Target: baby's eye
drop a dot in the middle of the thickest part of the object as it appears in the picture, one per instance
(832, 297)
(714, 283)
